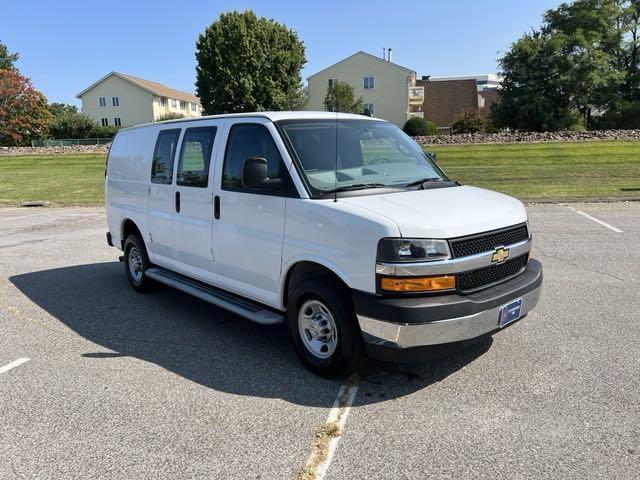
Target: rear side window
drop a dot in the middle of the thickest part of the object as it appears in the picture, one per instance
(195, 156)
(249, 140)
(162, 165)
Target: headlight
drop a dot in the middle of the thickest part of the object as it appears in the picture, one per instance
(394, 250)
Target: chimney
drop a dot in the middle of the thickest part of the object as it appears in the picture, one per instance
(384, 53)
(389, 56)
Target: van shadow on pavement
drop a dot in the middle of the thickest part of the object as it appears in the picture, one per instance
(206, 344)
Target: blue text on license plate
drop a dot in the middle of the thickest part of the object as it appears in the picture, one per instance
(509, 313)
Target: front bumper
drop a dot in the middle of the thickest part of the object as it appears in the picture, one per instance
(408, 322)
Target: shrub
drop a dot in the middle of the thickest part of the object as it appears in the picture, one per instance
(419, 127)
(71, 125)
(99, 131)
(469, 122)
(169, 116)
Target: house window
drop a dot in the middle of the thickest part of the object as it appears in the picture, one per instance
(115, 101)
(183, 105)
(368, 83)
(105, 122)
(163, 102)
(116, 122)
(174, 103)
(194, 107)
(369, 106)
(332, 82)
(102, 101)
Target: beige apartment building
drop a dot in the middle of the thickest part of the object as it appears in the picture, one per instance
(384, 86)
(122, 100)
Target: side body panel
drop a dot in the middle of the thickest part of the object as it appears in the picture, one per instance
(126, 184)
(247, 238)
(341, 237)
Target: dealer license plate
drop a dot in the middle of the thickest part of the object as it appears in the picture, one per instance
(509, 313)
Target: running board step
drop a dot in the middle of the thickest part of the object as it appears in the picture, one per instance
(235, 304)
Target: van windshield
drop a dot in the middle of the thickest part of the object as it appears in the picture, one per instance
(358, 154)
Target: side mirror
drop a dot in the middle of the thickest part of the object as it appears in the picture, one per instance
(255, 175)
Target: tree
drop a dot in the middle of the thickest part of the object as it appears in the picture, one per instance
(532, 95)
(71, 124)
(58, 109)
(7, 60)
(340, 98)
(23, 110)
(583, 59)
(247, 63)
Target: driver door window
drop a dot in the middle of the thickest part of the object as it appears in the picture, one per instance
(249, 140)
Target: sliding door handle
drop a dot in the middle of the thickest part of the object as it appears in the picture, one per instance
(178, 202)
(216, 207)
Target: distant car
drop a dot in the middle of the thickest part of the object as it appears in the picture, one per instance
(338, 224)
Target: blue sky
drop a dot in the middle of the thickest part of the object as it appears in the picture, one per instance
(66, 45)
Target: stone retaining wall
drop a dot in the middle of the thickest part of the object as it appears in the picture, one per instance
(458, 139)
(53, 150)
(563, 136)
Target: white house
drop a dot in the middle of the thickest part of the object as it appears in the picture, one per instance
(382, 84)
(118, 99)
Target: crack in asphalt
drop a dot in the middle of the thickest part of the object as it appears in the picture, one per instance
(578, 266)
(37, 228)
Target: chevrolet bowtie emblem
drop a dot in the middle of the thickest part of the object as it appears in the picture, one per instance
(500, 254)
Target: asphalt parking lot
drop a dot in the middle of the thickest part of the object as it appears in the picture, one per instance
(123, 385)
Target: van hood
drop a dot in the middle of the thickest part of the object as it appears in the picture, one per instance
(444, 212)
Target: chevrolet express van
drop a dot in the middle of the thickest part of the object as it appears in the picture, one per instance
(339, 225)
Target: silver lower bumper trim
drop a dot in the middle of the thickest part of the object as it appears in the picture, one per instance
(395, 335)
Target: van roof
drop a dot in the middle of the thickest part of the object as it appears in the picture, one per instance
(273, 116)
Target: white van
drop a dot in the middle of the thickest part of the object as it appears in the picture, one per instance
(339, 225)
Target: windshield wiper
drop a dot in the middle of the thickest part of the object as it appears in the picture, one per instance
(356, 186)
(423, 181)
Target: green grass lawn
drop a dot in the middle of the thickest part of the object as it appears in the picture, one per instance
(561, 171)
(533, 171)
(73, 179)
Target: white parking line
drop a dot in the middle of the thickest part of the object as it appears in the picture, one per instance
(594, 219)
(328, 434)
(14, 364)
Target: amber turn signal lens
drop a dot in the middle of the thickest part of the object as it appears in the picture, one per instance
(418, 284)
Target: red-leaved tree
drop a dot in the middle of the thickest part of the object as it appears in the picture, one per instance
(23, 110)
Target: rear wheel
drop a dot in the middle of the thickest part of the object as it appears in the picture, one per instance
(324, 329)
(136, 263)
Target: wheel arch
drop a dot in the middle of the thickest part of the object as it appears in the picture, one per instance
(127, 228)
(305, 269)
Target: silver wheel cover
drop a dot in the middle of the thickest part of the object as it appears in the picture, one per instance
(317, 329)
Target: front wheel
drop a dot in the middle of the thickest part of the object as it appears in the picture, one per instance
(324, 329)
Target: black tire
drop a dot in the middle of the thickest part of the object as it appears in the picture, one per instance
(134, 249)
(349, 351)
